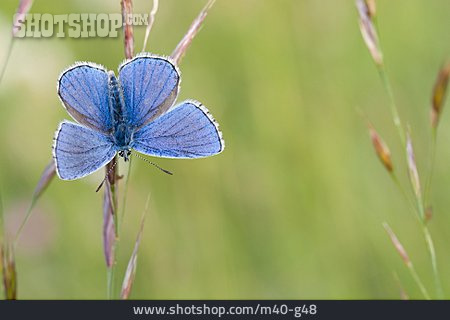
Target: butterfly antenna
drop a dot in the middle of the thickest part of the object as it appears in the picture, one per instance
(107, 175)
(153, 164)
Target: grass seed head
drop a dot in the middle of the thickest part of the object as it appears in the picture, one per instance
(368, 30)
(397, 245)
(371, 8)
(381, 149)
(439, 93)
(412, 167)
(9, 271)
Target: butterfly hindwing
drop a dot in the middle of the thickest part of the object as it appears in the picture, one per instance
(150, 87)
(83, 89)
(186, 131)
(79, 151)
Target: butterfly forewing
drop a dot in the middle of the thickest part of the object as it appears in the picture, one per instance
(150, 86)
(83, 89)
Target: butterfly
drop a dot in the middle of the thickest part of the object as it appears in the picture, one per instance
(132, 111)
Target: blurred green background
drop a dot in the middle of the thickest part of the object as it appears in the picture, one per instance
(293, 208)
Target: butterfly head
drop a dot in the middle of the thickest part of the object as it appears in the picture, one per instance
(125, 154)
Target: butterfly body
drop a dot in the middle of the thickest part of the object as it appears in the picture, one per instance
(132, 111)
(122, 130)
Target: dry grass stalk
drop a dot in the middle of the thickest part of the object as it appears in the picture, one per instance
(127, 10)
(108, 226)
(150, 24)
(368, 31)
(184, 44)
(381, 149)
(439, 93)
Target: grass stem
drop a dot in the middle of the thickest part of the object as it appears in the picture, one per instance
(110, 282)
(432, 252)
(394, 110)
(419, 282)
(431, 168)
(8, 55)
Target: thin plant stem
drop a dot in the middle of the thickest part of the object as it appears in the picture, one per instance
(420, 200)
(8, 55)
(112, 178)
(432, 252)
(24, 222)
(428, 239)
(431, 170)
(110, 283)
(111, 270)
(2, 223)
(125, 192)
(150, 24)
(392, 104)
(426, 232)
(419, 282)
(408, 199)
(116, 220)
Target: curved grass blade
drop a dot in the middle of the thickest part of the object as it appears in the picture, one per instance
(132, 263)
(46, 178)
(184, 44)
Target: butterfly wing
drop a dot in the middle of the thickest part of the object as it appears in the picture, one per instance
(186, 131)
(83, 89)
(150, 87)
(79, 151)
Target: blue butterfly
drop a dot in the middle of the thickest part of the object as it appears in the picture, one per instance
(132, 111)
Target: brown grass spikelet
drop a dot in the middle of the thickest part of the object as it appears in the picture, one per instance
(9, 271)
(381, 149)
(371, 8)
(439, 93)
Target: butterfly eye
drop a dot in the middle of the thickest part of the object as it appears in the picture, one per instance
(121, 153)
(129, 153)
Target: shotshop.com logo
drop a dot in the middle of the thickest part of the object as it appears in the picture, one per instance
(74, 25)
